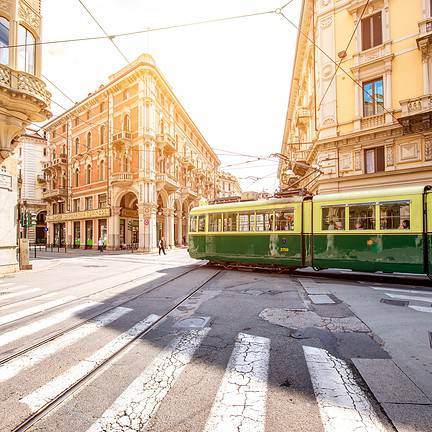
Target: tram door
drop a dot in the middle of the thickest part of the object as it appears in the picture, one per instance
(428, 228)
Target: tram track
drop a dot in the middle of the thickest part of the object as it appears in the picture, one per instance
(98, 280)
(99, 368)
(105, 310)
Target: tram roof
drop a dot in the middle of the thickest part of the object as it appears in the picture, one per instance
(372, 193)
(245, 205)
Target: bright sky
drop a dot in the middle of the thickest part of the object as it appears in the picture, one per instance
(233, 77)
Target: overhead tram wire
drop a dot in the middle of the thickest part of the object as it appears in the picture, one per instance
(105, 33)
(144, 31)
(346, 50)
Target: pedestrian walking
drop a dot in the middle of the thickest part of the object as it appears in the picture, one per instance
(100, 245)
(162, 246)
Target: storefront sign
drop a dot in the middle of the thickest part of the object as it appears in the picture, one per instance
(5, 181)
(88, 214)
(129, 213)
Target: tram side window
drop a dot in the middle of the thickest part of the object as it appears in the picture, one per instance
(395, 216)
(284, 219)
(201, 223)
(193, 224)
(362, 217)
(246, 221)
(230, 221)
(333, 218)
(215, 222)
(264, 221)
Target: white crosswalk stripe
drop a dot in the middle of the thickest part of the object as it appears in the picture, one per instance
(342, 403)
(34, 309)
(23, 302)
(35, 356)
(44, 323)
(426, 293)
(240, 404)
(140, 401)
(49, 391)
(6, 284)
(13, 294)
(426, 309)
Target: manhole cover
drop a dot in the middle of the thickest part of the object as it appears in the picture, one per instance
(193, 322)
(395, 302)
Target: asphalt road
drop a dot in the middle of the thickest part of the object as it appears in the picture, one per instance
(137, 342)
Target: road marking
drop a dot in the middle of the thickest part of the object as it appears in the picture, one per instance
(34, 327)
(19, 293)
(35, 309)
(342, 403)
(427, 309)
(429, 293)
(240, 404)
(26, 301)
(405, 297)
(139, 402)
(35, 356)
(50, 390)
(6, 284)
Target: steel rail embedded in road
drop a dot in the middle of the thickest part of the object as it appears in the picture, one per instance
(49, 406)
(111, 307)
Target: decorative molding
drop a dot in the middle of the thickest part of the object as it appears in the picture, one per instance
(6, 5)
(326, 22)
(88, 214)
(389, 155)
(408, 152)
(29, 16)
(357, 160)
(346, 161)
(428, 148)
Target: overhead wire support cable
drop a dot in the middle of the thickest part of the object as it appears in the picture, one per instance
(111, 39)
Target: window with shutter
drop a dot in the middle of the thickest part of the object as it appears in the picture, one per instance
(371, 29)
(374, 160)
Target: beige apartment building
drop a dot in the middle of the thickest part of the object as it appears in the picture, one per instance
(227, 185)
(126, 164)
(367, 123)
(23, 99)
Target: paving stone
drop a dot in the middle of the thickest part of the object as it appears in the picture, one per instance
(409, 417)
(321, 299)
(388, 383)
(312, 287)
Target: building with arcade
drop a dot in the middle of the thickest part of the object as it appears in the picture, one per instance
(126, 164)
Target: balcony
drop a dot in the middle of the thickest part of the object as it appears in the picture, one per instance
(57, 162)
(166, 143)
(167, 182)
(372, 121)
(122, 138)
(416, 113)
(41, 179)
(55, 194)
(121, 178)
(187, 191)
(188, 162)
(200, 173)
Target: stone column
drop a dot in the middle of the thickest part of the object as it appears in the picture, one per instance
(69, 233)
(114, 228)
(179, 228)
(147, 228)
(170, 228)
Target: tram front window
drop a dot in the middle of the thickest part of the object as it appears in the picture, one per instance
(284, 220)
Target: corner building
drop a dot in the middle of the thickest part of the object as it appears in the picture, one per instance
(126, 164)
(24, 99)
(375, 131)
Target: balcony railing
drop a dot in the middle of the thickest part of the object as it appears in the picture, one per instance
(121, 177)
(416, 105)
(61, 160)
(166, 142)
(188, 162)
(373, 121)
(25, 83)
(55, 193)
(187, 190)
(375, 53)
(166, 181)
(122, 137)
(40, 178)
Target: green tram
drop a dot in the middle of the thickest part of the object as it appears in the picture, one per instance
(387, 230)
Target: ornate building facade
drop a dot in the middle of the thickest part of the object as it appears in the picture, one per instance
(126, 164)
(23, 99)
(227, 185)
(367, 122)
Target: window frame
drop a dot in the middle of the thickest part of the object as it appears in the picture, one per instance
(373, 43)
(25, 47)
(327, 206)
(210, 226)
(390, 202)
(379, 163)
(4, 54)
(371, 204)
(378, 108)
